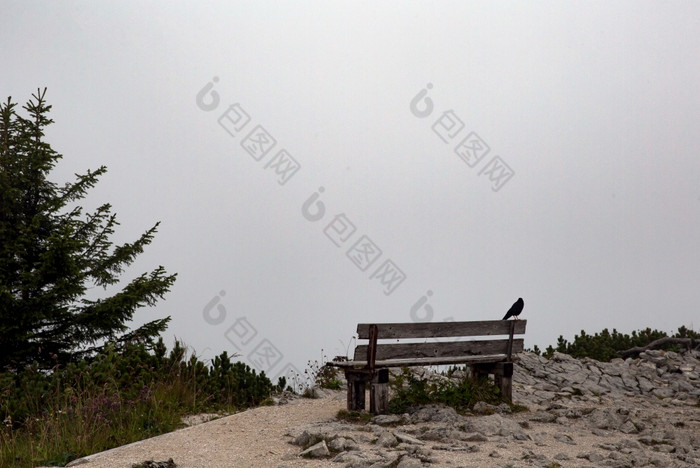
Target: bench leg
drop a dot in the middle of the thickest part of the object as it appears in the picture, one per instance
(379, 392)
(378, 398)
(506, 386)
(502, 376)
(356, 395)
(356, 390)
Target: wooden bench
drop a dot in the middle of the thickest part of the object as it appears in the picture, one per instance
(371, 362)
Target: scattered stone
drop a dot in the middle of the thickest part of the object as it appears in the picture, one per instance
(521, 436)
(566, 438)
(474, 437)
(421, 453)
(387, 439)
(543, 416)
(457, 448)
(320, 450)
(341, 444)
(441, 433)
(604, 419)
(594, 457)
(434, 413)
(358, 459)
(387, 420)
(482, 407)
(302, 439)
(154, 464)
(494, 424)
(407, 462)
(407, 439)
(628, 427)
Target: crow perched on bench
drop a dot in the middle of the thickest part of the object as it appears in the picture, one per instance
(515, 309)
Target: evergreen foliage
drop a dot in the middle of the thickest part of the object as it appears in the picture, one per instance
(605, 345)
(51, 252)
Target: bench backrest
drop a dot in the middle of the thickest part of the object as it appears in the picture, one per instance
(426, 330)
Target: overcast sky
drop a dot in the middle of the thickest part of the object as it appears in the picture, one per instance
(320, 164)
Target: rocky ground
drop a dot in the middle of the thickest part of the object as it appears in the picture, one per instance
(583, 413)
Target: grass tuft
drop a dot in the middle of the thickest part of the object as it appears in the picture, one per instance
(361, 417)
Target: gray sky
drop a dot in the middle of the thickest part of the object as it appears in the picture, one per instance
(552, 156)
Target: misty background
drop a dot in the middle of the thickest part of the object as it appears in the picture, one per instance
(487, 150)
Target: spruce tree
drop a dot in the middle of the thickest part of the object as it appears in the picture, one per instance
(51, 252)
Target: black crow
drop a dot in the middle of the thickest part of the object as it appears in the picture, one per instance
(515, 309)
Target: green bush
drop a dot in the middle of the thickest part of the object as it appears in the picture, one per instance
(120, 396)
(410, 391)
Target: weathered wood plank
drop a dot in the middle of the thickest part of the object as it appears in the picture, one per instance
(379, 398)
(439, 349)
(442, 329)
(421, 361)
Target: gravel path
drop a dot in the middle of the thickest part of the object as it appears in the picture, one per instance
(252, 438)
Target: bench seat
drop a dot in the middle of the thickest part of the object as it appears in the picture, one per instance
(412, 362)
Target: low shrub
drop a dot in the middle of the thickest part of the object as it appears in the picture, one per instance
(117, 397)
(318, 375)
(460, 393)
